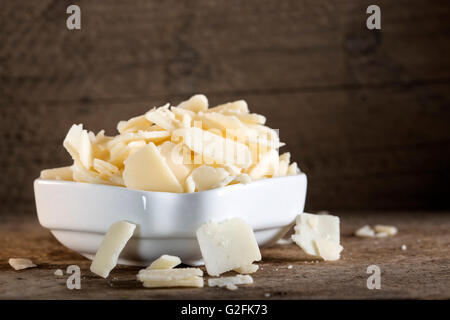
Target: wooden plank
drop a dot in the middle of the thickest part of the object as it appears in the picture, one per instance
(153, 49)
(420, 272)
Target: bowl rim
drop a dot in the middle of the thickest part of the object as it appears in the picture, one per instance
(230, 188)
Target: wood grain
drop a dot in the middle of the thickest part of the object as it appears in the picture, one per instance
(365, 114)
(419, 272)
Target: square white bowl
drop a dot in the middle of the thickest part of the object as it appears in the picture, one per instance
(80, 214)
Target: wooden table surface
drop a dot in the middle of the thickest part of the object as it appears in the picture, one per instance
(421, 271)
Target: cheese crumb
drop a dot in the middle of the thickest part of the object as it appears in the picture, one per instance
(112, 245)
(365, 232)
(59, 273)
(379, 231)
(230, 281)
(404, 247)
(231, 287)
(389, 230)
(21, 263)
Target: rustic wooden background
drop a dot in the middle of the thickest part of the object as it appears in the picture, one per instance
(365, 113)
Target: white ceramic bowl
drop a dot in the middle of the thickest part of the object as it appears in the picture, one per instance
(79, 214)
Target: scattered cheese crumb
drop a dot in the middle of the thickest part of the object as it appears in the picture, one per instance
(231, 287)
(379, 231)
(228, 281)
(381, 234)
(390, 230)
(404, 247)
(21, 263)
(365, 232)
(289, 266)
(59, 273)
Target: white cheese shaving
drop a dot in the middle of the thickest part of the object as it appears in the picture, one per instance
(251, 268)
(112, 245)
(165, 262)
(318, 236)
(230, 281)
(21, 263)
(389, 230)
(227, 245)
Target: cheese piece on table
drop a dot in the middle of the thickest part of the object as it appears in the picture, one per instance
(390, 230)
(229, 281)
(78, 144)
(165, 262)
(112, 245)
(196, 103)
(206, 177)
(168, 274)
(214, 147)
(251, 268)
(327, 249)
(194, 282)
(58, 273)
(381, 234)
(365, 232)
(63, 173)
(311, 229)
(147, 170)
(227, 245)
(21, 263)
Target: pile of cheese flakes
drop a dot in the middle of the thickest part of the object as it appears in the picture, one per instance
(184, 148)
